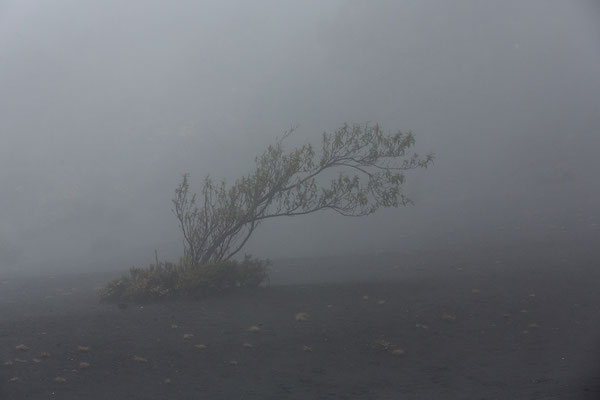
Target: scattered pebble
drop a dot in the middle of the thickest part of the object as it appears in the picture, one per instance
(13, 379)
(248, 345)
(383, 343)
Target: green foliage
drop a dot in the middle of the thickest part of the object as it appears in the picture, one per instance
(370, 164)
(169, 280)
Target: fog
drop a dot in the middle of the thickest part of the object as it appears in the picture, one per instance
(104, 105)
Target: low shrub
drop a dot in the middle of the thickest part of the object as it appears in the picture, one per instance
(169, 280)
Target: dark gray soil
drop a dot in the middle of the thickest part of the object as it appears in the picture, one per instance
(521, 322)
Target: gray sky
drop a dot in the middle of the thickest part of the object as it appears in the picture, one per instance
(104, 104)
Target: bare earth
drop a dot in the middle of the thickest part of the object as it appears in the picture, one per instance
(521, 322)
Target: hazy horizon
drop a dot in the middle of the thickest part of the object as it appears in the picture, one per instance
(103, 106)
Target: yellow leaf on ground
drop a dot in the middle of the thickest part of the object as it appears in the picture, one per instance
(187, 336)
(139, 359)
(60, 379)
(83, 349)
(397, 352)
(21, 347)
(200, 346)
(253, 329)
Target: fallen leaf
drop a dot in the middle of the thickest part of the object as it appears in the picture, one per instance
(448, 317)
(187, 336)
(21, 347)
(301, 316)
(60, 379)
(381, 302)
(174, 326)
(139, 359)
(83, 349)
(307, 349)
(397, 352)
(45, 354)
(200, 346)
(84, 365)
(253, 329)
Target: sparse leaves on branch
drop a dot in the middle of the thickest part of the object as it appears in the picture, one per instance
(370, 166)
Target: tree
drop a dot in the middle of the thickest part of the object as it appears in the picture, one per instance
(370, 166)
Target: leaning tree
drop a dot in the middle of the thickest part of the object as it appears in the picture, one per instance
(370, 166)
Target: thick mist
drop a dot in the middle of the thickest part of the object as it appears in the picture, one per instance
(103, 105)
